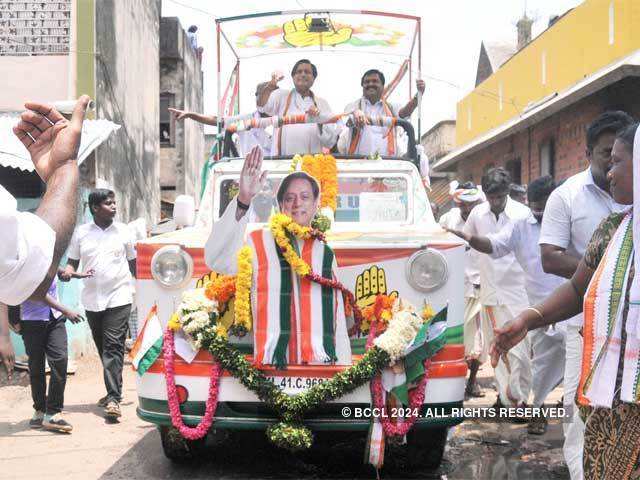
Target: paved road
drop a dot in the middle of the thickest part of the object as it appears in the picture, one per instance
(131, 449)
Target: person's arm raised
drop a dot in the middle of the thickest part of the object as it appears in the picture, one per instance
(53, 144)
(252, 180)
(198, 117)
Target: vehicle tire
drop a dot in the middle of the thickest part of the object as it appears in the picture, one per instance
(177, 448)
(425, 447)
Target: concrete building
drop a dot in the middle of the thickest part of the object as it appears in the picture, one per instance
(54, 50)
(59, 49)
(182, 144)
(531, 113)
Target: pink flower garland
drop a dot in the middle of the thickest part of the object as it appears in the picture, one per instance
(416, 399)
(202, 428)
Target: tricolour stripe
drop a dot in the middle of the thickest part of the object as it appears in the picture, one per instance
(262, 297)
(280, 354)
(305, 307)
(328, 302)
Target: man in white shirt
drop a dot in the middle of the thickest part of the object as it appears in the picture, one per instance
(466, 197)
(32, 244)
(105, 248)
(502, 291)
(366, 140)
(521, 237)
(573, 212)
(302, 138)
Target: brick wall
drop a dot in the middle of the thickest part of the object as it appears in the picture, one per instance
(566, 130)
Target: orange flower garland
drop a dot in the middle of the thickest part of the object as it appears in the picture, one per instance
(221, 289)
(380, 311)
(324, 169)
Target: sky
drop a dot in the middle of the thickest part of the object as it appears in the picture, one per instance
(452, 31)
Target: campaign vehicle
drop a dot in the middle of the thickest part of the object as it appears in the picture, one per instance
(386, 241)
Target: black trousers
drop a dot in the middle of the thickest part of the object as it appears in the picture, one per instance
(109, 330)
(46, 339)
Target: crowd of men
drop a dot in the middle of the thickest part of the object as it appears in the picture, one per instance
(518, 256)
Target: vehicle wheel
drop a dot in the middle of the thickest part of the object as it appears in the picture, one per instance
(177, 448)
(425, 447)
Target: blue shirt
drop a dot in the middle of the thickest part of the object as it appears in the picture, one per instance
(30, 310)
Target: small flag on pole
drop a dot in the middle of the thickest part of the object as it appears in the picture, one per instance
(148, 345)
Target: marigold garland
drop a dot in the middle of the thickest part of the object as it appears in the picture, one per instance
(325, 170)
(243, 321)
(221, 289)
(380, 311)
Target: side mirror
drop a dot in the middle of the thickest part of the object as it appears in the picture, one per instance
(184, 211)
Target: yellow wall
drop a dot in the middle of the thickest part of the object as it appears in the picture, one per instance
(576, 46)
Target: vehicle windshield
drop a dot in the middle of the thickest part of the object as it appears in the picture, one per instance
(361, 197)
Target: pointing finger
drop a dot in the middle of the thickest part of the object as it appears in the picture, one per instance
(79, 112)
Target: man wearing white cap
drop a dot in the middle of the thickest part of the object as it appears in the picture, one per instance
(467, 196)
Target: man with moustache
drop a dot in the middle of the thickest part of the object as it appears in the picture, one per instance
(290, 140)
(366, 140)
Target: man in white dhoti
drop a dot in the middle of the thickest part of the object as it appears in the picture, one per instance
(296, 321)
(301, 138)
(521, 237)
(466, 197)
(366, 140)
(502, 290)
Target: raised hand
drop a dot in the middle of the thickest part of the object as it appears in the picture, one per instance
(421, 86)
(179, 114)
(252, 177)
(276, 77)
(506, 338)
(52, 141)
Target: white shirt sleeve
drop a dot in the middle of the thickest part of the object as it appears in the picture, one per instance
(556, 223)
(26, 251)
(505, 240)
(226, 238)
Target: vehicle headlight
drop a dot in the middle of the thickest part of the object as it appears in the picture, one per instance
(427, 270)
(171, 266)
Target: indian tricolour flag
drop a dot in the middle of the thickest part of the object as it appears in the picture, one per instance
(427, 342)
(148, 345)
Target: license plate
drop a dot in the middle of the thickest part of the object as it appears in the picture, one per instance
(295, 384)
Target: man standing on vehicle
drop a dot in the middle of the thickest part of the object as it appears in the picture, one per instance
(502, 288)
(363, 139)
(304, 138)
(106, 248)
(466, 197)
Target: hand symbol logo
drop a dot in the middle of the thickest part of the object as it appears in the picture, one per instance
(297, 34)
(369, 284)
